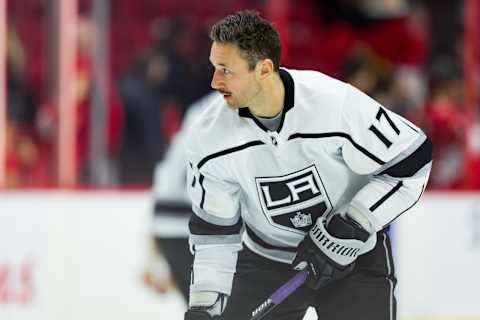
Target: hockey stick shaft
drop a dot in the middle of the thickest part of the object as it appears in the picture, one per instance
(279, 295)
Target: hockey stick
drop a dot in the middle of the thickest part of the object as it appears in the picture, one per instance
(279, 295)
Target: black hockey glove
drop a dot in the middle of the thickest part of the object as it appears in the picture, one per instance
(206, 305)
(329, 250)
(199, 315)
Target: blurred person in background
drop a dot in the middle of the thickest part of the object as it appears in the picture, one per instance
(47, 120)
(328, 31)
(184, 41)
(150, 111)
(445, 122)
(366, 72)
(22, 149)
(328, 34)
(170, 259)
(156, 94)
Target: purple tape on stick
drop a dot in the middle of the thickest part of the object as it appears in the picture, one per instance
(284, 291)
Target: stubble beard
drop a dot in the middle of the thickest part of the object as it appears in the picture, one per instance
(254, 98)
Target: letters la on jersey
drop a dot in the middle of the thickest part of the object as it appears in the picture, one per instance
(331, 140)
(294, 201)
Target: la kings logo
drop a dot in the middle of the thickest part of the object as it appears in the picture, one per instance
(301, 220)
(294, 201)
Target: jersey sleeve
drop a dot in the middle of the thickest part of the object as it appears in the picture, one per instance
(170, 173)
(215, 227)
(171, 207)
(393, 152)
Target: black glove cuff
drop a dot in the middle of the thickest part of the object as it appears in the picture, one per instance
(199, 315)
(346, 228)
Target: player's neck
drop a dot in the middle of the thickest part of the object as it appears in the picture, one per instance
(271, 99)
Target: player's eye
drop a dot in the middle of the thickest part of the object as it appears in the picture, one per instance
(226, 71)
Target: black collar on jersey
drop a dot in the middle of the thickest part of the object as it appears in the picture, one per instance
(287, 81)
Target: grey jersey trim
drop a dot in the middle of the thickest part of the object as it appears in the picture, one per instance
(266, 242)
(271, 124)
(170, 226)
(403, 155)
(413, 163)
(275, 255)
(204, 215)
(196, 239)
(390, 278)
(410, 161)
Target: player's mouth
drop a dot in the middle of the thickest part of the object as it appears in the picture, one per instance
(225, 94)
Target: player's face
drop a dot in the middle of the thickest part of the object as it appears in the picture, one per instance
(232, 77)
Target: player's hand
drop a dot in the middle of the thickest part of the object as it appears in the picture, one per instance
(157, 274)
(206, 305)
(328, 252)
(199, 315)
(160, 284)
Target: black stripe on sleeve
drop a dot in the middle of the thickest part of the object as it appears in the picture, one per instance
(385, 197)
(194, 180)
(338, 134)
(398, 215)
(198, 226)
(200, 181)
(411, 164)
(177, 207)
(406, 123)
(230, 150)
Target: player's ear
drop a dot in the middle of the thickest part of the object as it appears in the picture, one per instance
(265, 68)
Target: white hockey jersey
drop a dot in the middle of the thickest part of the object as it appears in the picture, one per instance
(335, 147)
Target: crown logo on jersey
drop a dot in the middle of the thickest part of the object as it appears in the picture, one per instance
(301, 220)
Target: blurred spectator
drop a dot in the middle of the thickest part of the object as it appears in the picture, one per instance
(22, 104)
(367, 72)
(171, 74)
(149, 107)
(22, 151)
(28, 17)
(329, 34)
(445, 123)
(47, 121)
(328, 31)
(184, 41)
(22, 156)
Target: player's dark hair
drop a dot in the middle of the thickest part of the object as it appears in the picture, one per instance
(256, 37)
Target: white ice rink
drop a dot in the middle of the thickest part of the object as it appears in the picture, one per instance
(81, 255)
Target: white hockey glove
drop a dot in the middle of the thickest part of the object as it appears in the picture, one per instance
(157, 274)
(206, 305)
(328, 252)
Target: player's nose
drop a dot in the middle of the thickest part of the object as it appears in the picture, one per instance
(216, 81)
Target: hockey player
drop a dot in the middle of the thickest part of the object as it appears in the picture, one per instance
(171, 211)
(313, 171)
